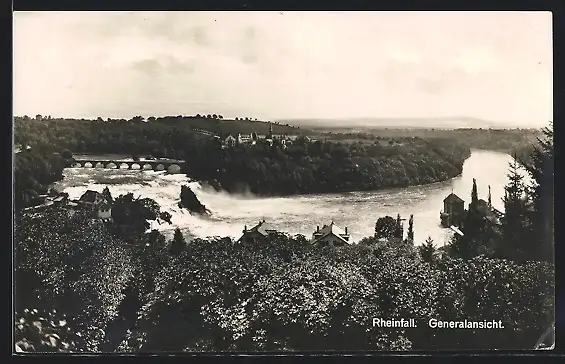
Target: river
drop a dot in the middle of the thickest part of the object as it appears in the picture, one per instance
(300, 214)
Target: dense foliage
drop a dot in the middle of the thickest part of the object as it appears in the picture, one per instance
(84, 285)
(164, 136)
(326, 167)
(525, 232)
(34, 171)
(279, 294)
(304, 167)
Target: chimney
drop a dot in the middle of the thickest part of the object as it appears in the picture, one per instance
(245, 229)
(318, 228)
(346, 230)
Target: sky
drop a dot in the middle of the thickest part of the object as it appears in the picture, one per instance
(495, 66)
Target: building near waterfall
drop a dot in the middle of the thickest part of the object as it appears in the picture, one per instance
(259, 232)
(331, 235)
(95, 203)
(454, 212)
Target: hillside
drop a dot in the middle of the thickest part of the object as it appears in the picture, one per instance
(502, 140)
(225, 127)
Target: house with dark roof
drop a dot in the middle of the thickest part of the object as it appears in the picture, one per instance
(330, 235)
(453, 210)
(259, 232)
(96, 204)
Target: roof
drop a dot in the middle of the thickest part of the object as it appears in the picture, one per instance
(263, 228)
(91, 196)
(331, 229)
(451, 198)
(105, 205)
(456, 230)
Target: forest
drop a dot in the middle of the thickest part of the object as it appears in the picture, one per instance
(327, 167)
(88, 286)
(304, 167)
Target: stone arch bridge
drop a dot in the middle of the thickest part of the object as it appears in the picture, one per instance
(169, 165)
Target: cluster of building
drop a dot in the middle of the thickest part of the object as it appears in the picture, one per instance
(254, 138)
(328, 235)
(94, 203)
(454, 212)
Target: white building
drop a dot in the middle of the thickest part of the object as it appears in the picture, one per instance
(99, 207)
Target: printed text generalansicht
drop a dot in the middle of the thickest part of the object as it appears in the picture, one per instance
(438, 324)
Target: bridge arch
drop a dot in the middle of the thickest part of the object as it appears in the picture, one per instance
(160, 167)
(147, 167)
(124, 165)
(111, 165)
(135, 166)
(88, 165)
(99, 165)
(173, 168)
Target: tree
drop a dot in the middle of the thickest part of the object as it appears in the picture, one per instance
(151, 119)
(131, 215)
(540, 167)
(178, 244)
(428, 251)
(468, 245)
(106, 194)
(474, 196)
(399, 229)
(489, 198)
(386, 227)
(410, 233)
(214, 116)
(516, 240)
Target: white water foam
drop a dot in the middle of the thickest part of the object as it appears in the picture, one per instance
(296, 214)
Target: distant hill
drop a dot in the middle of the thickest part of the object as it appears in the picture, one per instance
(230, 126)
(360, 124)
